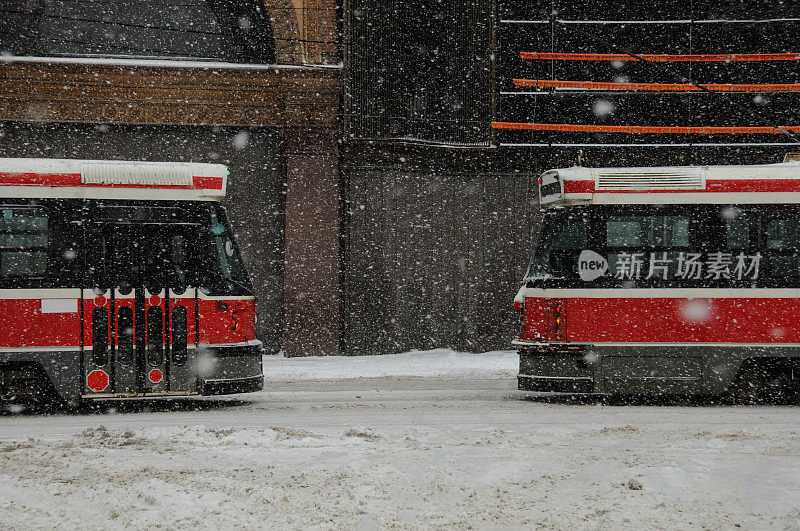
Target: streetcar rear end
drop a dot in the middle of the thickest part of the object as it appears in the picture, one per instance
(121, 280)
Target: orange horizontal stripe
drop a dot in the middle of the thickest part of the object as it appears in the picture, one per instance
(680, 130)
(658, 87)
(660, 58)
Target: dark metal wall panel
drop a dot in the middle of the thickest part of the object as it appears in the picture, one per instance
(419, 70)
(255, 185)
(433, 259)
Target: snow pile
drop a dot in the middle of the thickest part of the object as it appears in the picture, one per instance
(302, 459)
(439, 363)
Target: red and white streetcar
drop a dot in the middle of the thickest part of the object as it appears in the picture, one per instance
(664, 280)
(121, 279)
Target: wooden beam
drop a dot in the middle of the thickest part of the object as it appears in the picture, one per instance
(168, 94)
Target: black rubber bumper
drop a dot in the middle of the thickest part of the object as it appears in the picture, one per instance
(555, 369)
(229, 387)
(233, 368)
(546, 384)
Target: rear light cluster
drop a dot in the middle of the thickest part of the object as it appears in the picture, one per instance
(558, 320)
(557, 329)
(544, 319)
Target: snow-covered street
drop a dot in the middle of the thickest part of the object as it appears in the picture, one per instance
(413, 440)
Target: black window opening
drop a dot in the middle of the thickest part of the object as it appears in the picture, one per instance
(100, 336)
(155, 336)
(654, 246)
(419, 71)
(125, 335)
(179, 336)
(200, 30)
(24, 243)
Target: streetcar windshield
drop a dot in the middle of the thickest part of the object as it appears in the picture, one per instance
(227, 265)
(564, 234)
(188, 245)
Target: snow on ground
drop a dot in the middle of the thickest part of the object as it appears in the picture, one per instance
(338, 443)
(440, 363)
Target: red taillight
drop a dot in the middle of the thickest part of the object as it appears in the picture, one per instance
(544, 319)
(559, 321)
(518, 306)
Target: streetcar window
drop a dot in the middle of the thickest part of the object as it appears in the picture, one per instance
(621, 233)
(155, 336)
(24, 235)
(179, 336)
(229, 260)
(100, 335)
(563, 236)
(782, 234)
(668, 246)
(125, 335)
(782, 242)
(178, 259)
(737, 233)
(783, 267)
(178, 253)
(644, 247)
(647, 231)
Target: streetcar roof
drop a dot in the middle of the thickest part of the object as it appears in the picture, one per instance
(765, 183)
(111, 179)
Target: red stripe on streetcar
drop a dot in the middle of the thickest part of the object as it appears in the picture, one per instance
(754, 185)
(716, 186)
(39, 179)
(657, 87)
(208, 183)
(578, 187)
(660, 58)
(644, 129)
(74, 179)
(662, 320)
